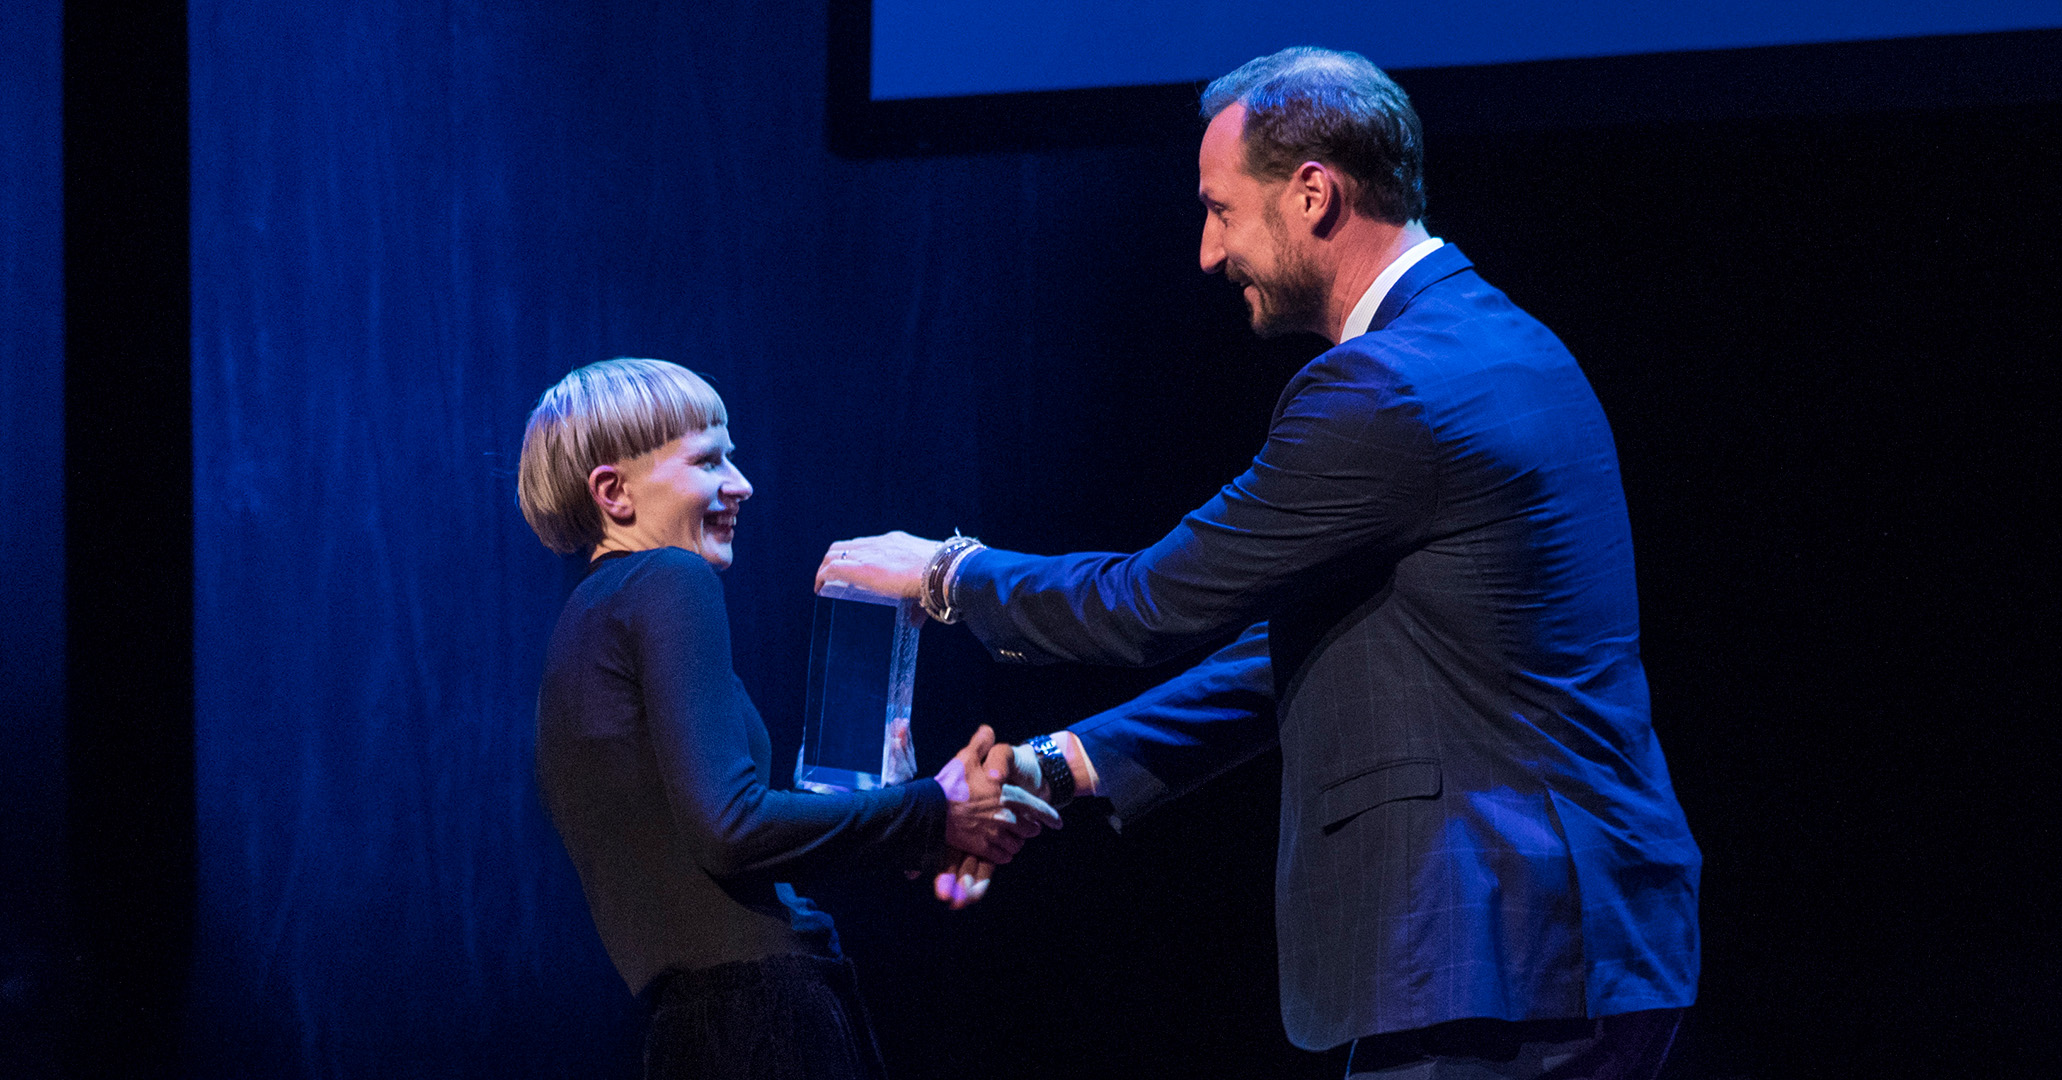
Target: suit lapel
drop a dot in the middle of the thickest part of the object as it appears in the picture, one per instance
(1442, 263)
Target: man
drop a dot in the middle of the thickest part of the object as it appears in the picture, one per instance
(1483, 868)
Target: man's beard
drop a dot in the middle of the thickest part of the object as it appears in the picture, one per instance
(1292, 300)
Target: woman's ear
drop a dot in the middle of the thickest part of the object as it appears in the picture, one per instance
(606, 484)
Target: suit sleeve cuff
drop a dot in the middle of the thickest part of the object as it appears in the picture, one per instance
(1131, 789)
(925, 807)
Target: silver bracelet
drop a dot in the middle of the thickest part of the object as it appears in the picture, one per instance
(934, 586)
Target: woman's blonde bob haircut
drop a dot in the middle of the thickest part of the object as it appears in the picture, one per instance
(602, 414)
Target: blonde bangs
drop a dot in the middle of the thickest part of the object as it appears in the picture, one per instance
(602, 414)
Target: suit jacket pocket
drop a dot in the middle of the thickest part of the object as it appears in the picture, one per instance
(1405, 778)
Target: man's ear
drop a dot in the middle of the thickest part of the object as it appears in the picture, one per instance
(1318, 198)
(606, 484)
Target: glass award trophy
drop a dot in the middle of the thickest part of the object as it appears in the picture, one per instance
(862, 675)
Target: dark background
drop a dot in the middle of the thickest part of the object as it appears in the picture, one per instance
(1825, 339)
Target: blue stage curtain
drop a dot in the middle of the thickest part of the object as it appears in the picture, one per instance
(408, 221)
(32, 492)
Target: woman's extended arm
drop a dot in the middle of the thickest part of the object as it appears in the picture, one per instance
(702, 729)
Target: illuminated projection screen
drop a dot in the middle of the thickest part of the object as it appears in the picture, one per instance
(944, 75)
(953, 48)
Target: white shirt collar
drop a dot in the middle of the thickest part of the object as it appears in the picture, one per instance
(1364, 312)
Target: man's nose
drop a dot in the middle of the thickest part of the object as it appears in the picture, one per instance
(1212, 253)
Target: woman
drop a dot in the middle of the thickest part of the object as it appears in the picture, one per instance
(656, 768)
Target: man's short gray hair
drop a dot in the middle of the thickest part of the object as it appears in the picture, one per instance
(1309, 104)
(602, 414)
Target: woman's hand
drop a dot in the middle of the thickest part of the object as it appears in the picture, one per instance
(891, 565)
(988, 821)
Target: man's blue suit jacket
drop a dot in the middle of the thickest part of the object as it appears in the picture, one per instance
(1431, 562)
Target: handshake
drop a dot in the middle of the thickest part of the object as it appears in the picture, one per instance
(996, 793)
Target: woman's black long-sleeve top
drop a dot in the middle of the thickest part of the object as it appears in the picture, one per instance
(657, 769)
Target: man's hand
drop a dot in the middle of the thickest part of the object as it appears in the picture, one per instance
(891, 565)
(989, 821)
(1019, 766)
(964, 878)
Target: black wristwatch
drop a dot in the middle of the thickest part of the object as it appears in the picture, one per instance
(1053, 769)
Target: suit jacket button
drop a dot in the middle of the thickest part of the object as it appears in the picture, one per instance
(1011, 655)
